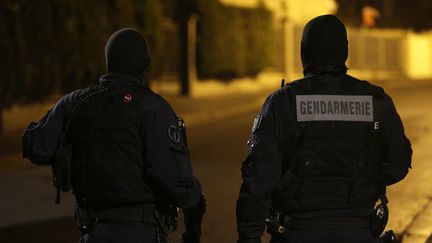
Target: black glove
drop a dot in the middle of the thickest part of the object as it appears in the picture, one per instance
(192, 220)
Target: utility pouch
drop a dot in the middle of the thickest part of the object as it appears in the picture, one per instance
(378, 220)
(61, 168)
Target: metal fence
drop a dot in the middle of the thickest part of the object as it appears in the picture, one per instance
(369, 50)
(377, 49)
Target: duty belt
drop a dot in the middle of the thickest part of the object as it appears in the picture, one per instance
(130, 214)
(329, 223)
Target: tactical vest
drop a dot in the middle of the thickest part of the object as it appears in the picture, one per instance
(107, 150)
(333, 161)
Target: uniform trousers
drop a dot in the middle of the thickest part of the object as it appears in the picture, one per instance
(327, 236)
(121, 233)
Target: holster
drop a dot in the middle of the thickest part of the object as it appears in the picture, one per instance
(379, 218)
(277, 224)
(86, 219)
(166, 222)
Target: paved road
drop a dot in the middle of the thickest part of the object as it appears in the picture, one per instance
(218, 147)
(410, 198)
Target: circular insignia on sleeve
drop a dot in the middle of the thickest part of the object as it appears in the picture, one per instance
(127, 98)
(174, 134)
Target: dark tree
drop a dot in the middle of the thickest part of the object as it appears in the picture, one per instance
(57, 46)
(25, 52)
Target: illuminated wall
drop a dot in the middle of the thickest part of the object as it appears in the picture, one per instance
(297, 11)
(399, 52)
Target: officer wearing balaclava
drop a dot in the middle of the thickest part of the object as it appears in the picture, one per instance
(129, 167)
(322, 151)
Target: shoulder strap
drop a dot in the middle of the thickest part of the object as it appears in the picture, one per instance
(82, 100)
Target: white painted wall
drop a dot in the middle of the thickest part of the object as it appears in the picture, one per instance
(419, 55)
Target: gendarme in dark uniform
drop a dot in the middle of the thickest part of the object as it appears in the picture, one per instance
(127, 152)
(322, 151)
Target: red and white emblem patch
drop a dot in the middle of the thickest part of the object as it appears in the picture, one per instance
(127, 98)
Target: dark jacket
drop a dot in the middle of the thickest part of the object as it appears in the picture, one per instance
(166, 164)
(268, 158)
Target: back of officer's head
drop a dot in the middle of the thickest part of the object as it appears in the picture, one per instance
(127, 52)
(324, 46)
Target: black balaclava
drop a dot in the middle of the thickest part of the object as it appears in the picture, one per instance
(324, 46)
(127, 52)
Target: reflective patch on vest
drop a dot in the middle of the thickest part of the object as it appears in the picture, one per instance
(256, 123)
(334, 108)
(174, 134)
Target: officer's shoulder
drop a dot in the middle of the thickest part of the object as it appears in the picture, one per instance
(287, 89)
(284, 93)
(70, 97)
(369, 87)
(298, 82)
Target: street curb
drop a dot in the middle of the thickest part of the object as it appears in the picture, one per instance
(420, 230)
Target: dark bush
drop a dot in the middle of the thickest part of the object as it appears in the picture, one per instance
(233, 42)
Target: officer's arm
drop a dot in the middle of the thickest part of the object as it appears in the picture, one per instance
(260, 172)
(167, 158)
(396, 152)
(40, 140)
